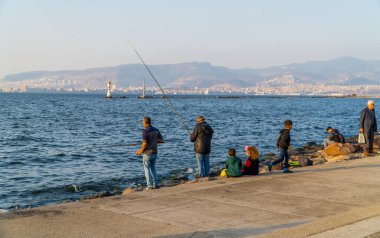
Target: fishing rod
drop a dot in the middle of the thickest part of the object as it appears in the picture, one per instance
(163, 92)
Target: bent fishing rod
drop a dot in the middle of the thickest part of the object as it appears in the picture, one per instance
(162, 90)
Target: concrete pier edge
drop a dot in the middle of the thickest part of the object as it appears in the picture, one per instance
(311, 201)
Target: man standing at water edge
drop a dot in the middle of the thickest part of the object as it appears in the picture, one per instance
(151, 136)
(201, 136)
(368, 125)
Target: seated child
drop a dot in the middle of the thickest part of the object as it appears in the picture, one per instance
(251, 166)
(233, 164)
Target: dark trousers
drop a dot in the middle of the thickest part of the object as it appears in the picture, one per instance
(283, 155)
(369, 138)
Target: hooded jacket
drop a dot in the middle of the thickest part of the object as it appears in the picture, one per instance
(201, 136)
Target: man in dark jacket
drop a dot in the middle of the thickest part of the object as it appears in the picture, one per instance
(201, 136)
(334, 136)
(368, 125)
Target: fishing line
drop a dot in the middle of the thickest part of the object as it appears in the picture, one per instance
(163, 92)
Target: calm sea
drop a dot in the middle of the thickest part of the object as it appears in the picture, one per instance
(49, 142)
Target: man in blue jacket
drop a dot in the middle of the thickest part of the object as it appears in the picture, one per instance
(368, 125)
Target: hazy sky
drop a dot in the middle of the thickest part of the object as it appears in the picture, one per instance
(77, 34)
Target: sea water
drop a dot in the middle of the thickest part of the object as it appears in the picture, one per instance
(57, 147)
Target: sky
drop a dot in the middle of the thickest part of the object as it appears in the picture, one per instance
(79, 34)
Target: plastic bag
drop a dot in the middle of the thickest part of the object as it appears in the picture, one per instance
(361, 139)
(223, 174)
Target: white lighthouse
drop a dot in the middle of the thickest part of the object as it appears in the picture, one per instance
(109, 89)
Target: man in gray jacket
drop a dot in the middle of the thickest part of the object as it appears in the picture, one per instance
(201, 136)
(368, 125)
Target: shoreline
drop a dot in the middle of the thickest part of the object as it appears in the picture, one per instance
(310, 201)
(212, 95)
(173, 178)
(310, 151)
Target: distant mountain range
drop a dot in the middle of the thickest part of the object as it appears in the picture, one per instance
(341, 71)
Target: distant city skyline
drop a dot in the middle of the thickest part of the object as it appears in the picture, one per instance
(57, 35)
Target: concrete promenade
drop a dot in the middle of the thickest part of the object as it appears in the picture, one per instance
(332, 200)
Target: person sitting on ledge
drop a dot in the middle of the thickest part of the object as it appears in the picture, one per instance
(251, 165)
(233, 164)
(334, 136)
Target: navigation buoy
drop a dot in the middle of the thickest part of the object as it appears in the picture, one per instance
(109, 89)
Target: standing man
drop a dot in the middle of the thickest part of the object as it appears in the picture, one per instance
(151, 136)
(201, 136)
(368, 125)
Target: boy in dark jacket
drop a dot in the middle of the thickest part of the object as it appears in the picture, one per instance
(233, 164)
(283, 143)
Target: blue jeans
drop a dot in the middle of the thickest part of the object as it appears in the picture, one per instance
(203, 164)
(283, 154)
(150, 170)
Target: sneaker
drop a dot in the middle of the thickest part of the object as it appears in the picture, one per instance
(148, 188)
(270, 167)
(288, 171)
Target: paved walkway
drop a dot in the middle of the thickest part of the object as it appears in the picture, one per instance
(313, 200)
(359, 229)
